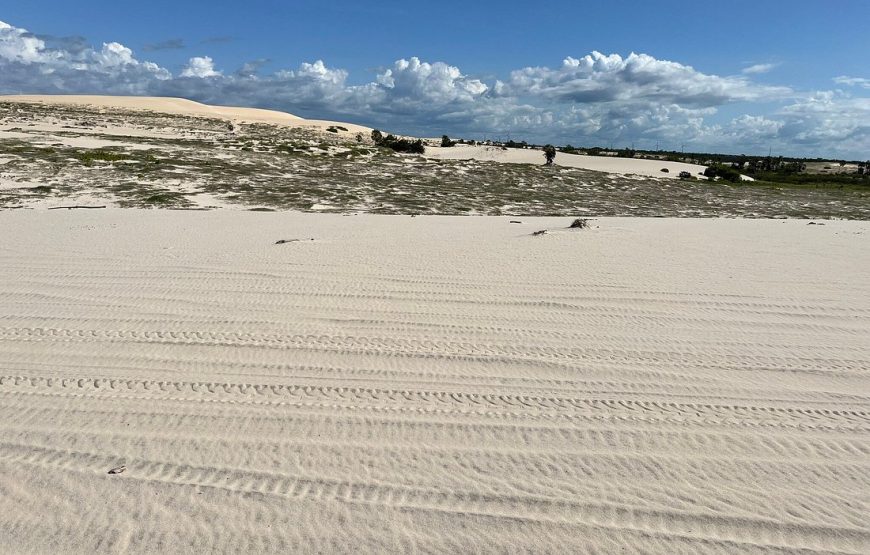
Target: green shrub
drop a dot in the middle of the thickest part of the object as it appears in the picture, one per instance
(724, 172)
(399, 145)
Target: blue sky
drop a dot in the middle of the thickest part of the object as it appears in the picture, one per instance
(737, 76)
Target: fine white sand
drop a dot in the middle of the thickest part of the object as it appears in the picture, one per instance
(431, 384)
(609, 164)
(181, 106)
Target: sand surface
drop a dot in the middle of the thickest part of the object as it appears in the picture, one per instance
(431, 384)
(609, 164)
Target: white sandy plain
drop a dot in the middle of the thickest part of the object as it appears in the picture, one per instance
(431, 384)
(609, 164)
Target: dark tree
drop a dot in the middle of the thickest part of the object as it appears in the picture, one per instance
(377, 136)
(446, 142)
(550, 154)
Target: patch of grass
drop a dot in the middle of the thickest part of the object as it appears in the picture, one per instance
(164, 198)
(817, 181)
(89, 157)
(359, 151)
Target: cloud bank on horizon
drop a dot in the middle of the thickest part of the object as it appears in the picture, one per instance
(596, 99)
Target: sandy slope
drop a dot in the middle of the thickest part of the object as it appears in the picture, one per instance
(185, 107)
(599, 163)
(431, 384)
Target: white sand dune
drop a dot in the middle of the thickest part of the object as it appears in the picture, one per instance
(431, 384)
(181, 106)
(609, 164)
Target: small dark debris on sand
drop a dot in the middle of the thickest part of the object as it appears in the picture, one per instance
(579, 223)
(541, 232)
(814, 223)
(73, 207)
(283, 241)
(516, 222)
(118, 469)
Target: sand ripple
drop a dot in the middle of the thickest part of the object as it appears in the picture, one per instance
(432, 385)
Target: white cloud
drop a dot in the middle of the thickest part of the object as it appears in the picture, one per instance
(115, 54)
(756, 127)
(435, 82)
(17, 45)
(637, 78)
(853, 81)
(200, 67)
(758, 69)
(319, 72)
(829, 117)
(593, 99)
(824, 123)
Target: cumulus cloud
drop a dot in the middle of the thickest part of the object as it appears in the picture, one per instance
(597, 77)
(593, 99)
(113, 55)
(28, 64)
(758, 68)
(825, 123)
(829, 117)
(319, 73)
(17, 45)
(435, 82)
(201, 67)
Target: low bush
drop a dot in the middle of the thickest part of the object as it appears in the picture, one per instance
(724, 172)
(446, 142)
(396, 144)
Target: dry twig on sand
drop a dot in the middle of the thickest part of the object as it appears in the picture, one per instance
(72, 207)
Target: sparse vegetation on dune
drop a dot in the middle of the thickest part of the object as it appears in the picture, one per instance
(185, 162)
